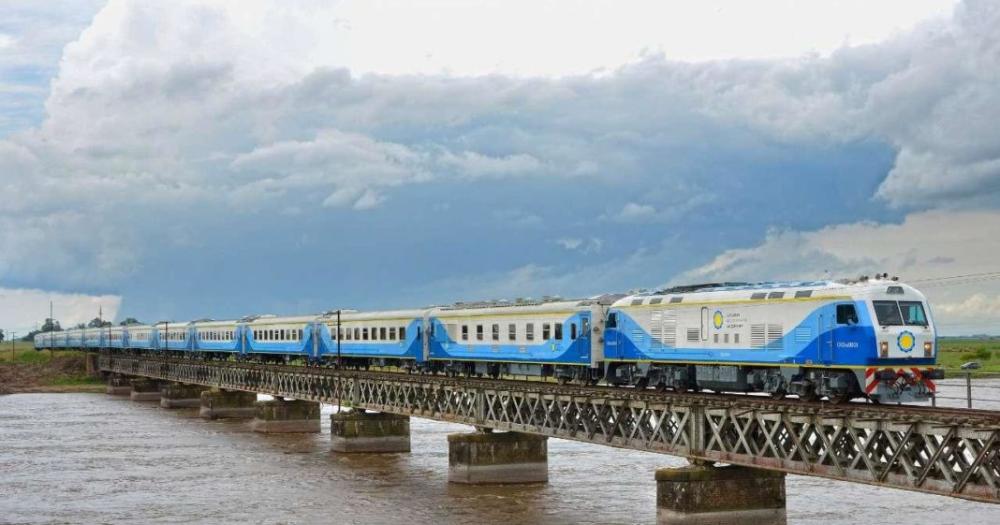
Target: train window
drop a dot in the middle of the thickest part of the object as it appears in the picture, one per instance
(529, 331)
(381, 333)
(758, 295)
(479, 332)
(613, 320)
(546, 331)
(887, 313)
(725, 338)
(572, 331)
(465, 332)
(357, 334)
(364, 334)
(392, 333)
(656, 300)
(511, 332)
(375, 335)
(736, 338)
(496, 332)
(776, 295)
(846, 314)
(284, 335)
(559, 331)
(913, 313)
(716, 338)
(584, 327)
(402, 333)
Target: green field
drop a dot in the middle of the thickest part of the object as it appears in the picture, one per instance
(953, 352)
(24, 352)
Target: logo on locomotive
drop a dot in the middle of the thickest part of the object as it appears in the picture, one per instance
(717, 319)
(906, 340)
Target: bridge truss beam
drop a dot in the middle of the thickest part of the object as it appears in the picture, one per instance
(950, 453)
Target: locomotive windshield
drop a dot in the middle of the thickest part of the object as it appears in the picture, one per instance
(892, 313)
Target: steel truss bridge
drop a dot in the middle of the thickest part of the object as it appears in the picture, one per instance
(950, 452)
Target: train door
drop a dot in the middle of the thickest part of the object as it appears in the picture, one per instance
(825, 339)
(612, 335)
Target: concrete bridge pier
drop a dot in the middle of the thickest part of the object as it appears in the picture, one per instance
(145, 390)
(361, 431)
(703, 495)
(492, 458)
(119, 385)
(284, 416)
(180, 395)
(227, 404)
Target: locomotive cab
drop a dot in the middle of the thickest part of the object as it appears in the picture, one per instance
(905, 345)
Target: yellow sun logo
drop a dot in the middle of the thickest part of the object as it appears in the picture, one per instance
(717, 319)
(905, 341)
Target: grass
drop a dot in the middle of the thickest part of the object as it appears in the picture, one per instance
(25, 353)
(952, 353)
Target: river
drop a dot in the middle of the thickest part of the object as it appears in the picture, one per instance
(93, 458)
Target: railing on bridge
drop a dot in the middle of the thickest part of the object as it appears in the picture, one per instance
(942, 451)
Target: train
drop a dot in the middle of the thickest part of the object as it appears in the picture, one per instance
(834, 340)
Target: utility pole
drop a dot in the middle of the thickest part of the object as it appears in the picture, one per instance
(13, 337)
(340, 336)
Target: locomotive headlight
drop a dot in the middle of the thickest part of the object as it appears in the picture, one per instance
(883, 349)
(928, 349)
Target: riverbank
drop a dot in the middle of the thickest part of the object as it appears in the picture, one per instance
(27, 371)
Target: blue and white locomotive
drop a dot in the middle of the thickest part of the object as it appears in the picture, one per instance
(838, 340)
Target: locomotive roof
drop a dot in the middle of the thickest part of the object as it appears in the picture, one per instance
(862, 285)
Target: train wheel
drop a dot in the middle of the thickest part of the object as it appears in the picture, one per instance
(778, 395)
(840, 399)
(643, 382)
(562, 380)
(809, 395)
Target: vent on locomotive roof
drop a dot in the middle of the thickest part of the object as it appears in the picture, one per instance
(656, 300)
(688, 288)
(803, 293)
(758, 295)
(676, 299)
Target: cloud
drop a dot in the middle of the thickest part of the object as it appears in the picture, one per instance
(23, 310)
(585, 246)
(923, 248)
(183, 128)
(636, 212)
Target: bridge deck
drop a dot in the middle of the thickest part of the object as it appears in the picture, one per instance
(941, 451)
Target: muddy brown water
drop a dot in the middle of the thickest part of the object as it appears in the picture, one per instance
(92, 458)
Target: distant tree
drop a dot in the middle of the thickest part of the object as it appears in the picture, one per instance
(50, 325)
(130, 321)
(2, 335)
(98, 323)
(80, 325)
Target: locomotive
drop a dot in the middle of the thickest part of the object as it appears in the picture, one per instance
(870, 338)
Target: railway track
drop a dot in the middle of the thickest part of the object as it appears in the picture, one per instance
(856, 409)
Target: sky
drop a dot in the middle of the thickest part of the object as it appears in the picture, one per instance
(189, 159)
